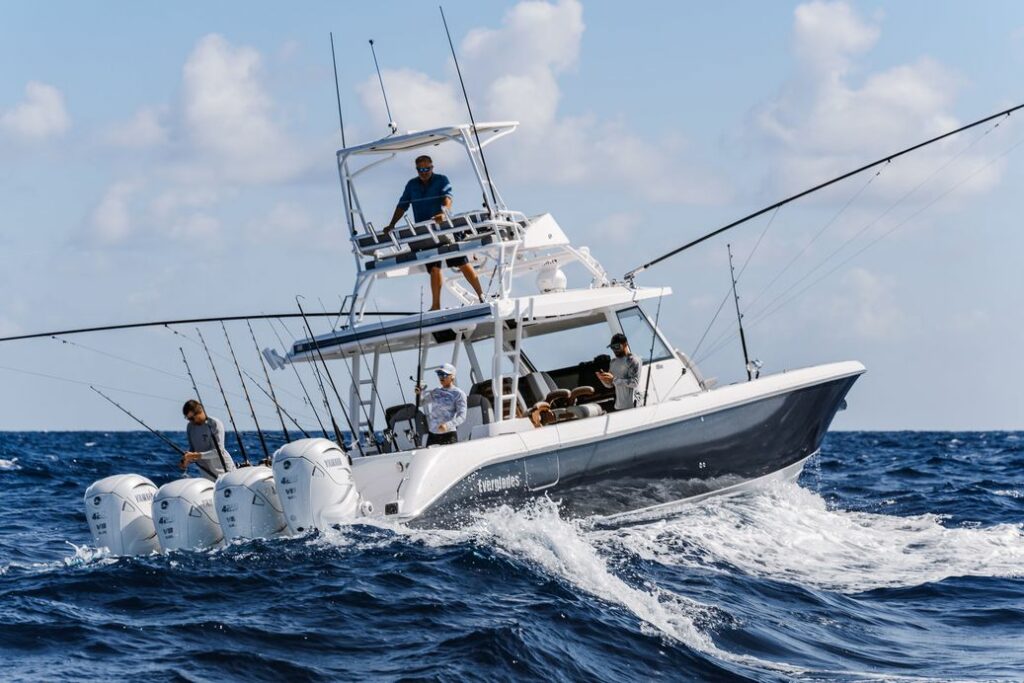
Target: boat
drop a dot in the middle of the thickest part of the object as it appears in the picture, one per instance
(532, 429)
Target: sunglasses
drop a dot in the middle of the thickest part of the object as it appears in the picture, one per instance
(424, 169)
(616, 347)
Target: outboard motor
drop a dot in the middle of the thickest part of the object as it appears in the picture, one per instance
(119, 512)
(184, 516)
(247, 504)
(314, 480)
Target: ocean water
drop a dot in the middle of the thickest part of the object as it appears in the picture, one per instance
(897, 556)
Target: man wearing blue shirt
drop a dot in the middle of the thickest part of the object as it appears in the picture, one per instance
(430, 194)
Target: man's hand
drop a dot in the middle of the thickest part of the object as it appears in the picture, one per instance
(605, 376)
(416, 389)
(439, 218)
(188, 459)
(442, 428)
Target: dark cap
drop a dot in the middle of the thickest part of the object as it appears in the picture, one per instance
(618, 338)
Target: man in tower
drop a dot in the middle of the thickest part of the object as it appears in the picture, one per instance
(430, 194)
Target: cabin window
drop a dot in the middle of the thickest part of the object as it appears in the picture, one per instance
(639, 332)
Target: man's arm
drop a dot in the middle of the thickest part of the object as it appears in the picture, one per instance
(403, 205)
(631, 377)
(446, 200)
(460, 412)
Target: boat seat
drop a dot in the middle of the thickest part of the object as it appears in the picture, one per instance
(405, 422)
(559, 398)
(536, 386)
(478, 412)
(578, 393)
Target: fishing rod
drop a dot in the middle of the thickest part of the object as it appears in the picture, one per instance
(245, 390)
(739, 316)
(631, 275)
(241, 446)
(177, 449)
(419, 371)
(212, 433)
(476, 133)
(347, 189)
(391, 122)
(334, 387)
(185, 321)
(650, 355)
(281, 407)
(398, 379)
(273, 395)
(302, 384)
(373, 385)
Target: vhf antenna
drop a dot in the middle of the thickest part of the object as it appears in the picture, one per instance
(476, 133)
(347, 189)
(739, 316)
(391, 121)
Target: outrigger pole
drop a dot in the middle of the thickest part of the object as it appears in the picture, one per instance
(178, 449)
(241, 446)
(341, 124)
(273, 395)
(476, 133)
(195, 388)
(187, 321)
(629, 277)
(391, 121)
(245, 390)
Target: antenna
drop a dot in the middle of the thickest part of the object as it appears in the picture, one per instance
(739, 316)
(391, 121)
(476, 133)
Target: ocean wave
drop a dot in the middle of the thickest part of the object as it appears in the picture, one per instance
(788, 533)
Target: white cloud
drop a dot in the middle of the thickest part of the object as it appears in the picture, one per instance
(512, 74)
(618, 228)
(145, 129)
(829, 119)
(40, 115)
(865, 306)
(111, 219)
(228, 116)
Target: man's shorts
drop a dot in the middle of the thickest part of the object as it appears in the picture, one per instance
(451, 263)
(442, 439)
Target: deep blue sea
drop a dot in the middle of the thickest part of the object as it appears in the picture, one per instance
(898, 556)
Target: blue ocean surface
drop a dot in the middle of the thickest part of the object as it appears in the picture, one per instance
(897, 556)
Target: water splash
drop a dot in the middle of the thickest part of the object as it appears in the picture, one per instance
(787, 533)
(9, 465)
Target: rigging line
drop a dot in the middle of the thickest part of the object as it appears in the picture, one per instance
(818, 234)
(726, 297)
(870, 224)
(87, 384)
(767, 313)
(286, 413)
(358, 390)
(238, 436)
(387, 343)
(633, 273)
(184, 321)
(116, 357)
(224, 358)
(245, 390)
(309, 401)
(266, 374)
(899, 225)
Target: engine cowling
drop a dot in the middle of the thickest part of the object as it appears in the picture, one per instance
(184, 515)
(247, 504)
(315, 484)
(119, 510)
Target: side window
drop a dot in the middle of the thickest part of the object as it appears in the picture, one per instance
(639, 332)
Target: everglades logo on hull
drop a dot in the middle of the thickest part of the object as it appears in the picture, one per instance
(498, 483)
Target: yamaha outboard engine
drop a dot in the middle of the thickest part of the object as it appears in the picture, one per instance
(247, 504)
(315, 483)
(119, 512)
(184, 516)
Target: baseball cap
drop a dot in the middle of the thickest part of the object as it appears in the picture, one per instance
(618, 338)
(446, 369)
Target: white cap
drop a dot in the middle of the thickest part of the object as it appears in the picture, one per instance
(446, 369)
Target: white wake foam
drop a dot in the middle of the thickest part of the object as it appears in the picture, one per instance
(11, 464)
(787, 533)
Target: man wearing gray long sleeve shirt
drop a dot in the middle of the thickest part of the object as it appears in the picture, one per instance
(624, 373)
(205, 442)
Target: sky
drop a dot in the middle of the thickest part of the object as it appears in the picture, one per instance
(164, 162)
